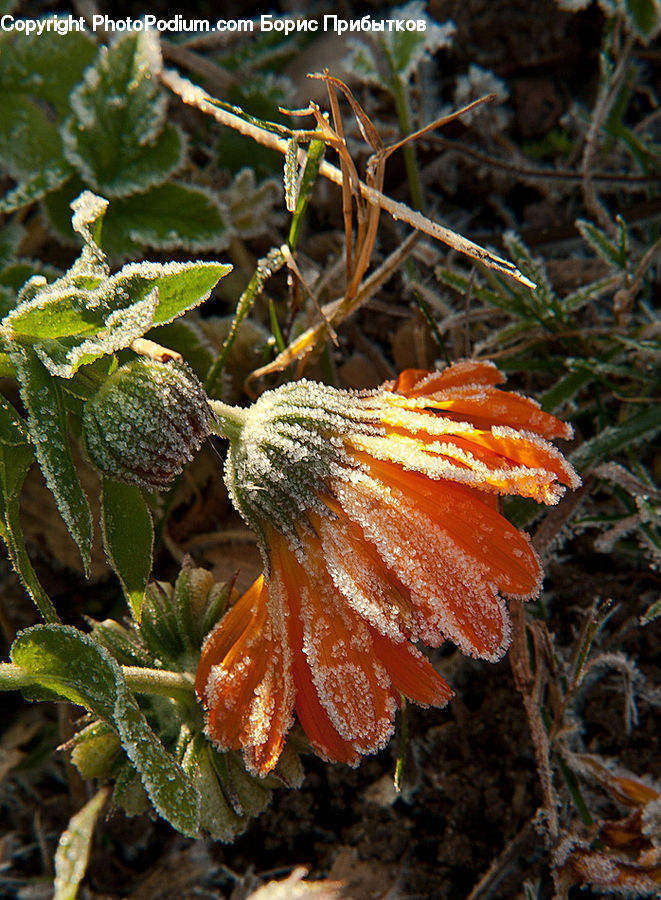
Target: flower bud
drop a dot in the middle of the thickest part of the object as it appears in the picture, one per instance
(146, 422)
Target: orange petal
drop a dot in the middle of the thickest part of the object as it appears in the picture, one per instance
(491, 406)
(244, 679)
(313, 717)
(410, 672)
(236, 622)
(357, 570)
(477, 529)
(450, 589)
(351, 684)
(421, 382)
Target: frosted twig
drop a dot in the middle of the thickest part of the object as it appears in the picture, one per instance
(530, 689)
(195, 96)
(605, 101)
(152, 350)
(337, 311)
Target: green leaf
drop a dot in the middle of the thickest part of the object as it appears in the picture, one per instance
(118, 138)
(166, 217)
(615, 438)
(602, 244)
(71, 326)
(217, 818)
(579, 298)
(66, 664)
(11, 235)
(171, 792)
(52, 175)
(13, 430)
(73, 849)
(644, 18)
(509, 300)
(37, 74)
(47, 421)
(183, 611)
(564, 390)
(29, 141)
(15, 460)
(128, 538)
(45, 66)
(181, 286)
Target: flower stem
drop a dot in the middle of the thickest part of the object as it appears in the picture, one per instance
(158, 681)
(177, 685)
(13, 678)
(228, 420)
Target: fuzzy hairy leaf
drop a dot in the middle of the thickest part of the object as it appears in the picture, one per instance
(166, 217)
(614, 253)
(404, 50)
(45, 66)
(52, 175)
(66, 664)
(16, 457)
(643, 425)
(128, 538)
(87, 314)
(644, 18)
(37, 74)
(118, 138)
(47, 422)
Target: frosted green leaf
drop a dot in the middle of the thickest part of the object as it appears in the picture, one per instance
(45, 66)
(251, 205)
(36, 75)
(16, 457)
(291, 175)
(66, 664)
(615, 439)
(73, 849)
(404, 50)
(128, 538)
(11, 235)
(217, 818)
(13, 430)
(615, 254)
(29, 141)
(53, 175)
(47, 422)
(166, 217)
(118, 138)
(643, 17)
(64, 357)
(70, 326)
(171, 792)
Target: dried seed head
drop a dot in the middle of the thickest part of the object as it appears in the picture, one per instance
(146, 422)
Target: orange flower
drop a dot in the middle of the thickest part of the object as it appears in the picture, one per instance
(378, 518)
